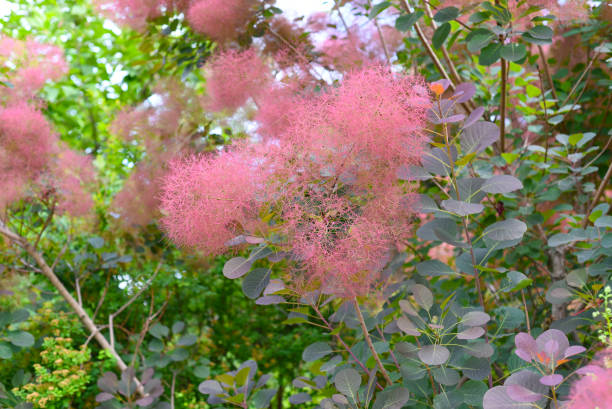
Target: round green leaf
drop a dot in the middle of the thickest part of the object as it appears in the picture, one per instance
(422, 296)
(434, 354)
(254, 283)
(187, 340)
(159, 331)
(21, 339)
(490, 54)
(513, 52)
(347, 382)
(316, 351)
(440, 35)
(446, 14)
(541, 32)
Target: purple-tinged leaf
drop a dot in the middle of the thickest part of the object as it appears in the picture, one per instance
(424, 204)
(236, 267)
(501, 184)
(444, 82)
(479, 349)
(407, 326)
(477, 137)
(434, 354)
(316, 351)
(461, 208)
(471, 333)
(497, 398)
(146, 401)
(210, 387)
(527, 379)
(412, 172)
(473, 117)
(269, 300)
(274, 286)
(347, 382)
(475, 318)
(407, 308)
(452, 119)
(299, 398)
(236, 241)
(423, 296)
(254, 240)
(524, 355)
(551, 380)
(339, 398)
(524, 341)
(464, 92)
(103, 397)
(519, 393)
(551, 347)
(558, 336)
(147, 375)
(276, 257)
(574, 350)
(320, 381)
(108, 382)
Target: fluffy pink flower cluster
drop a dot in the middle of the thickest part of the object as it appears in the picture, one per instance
(31, 159)
(210, 199)
(594, 389)
(137, 13)
(138, 201)
(26, 143)
(73, 176)
(220, 20)
(161, 125)
(36, 64)
(326, 176)
(359, 46)
(159, 117)
(235, 76)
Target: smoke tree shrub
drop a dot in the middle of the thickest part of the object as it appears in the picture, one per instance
(333, 176)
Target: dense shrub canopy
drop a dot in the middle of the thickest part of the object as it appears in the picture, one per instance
(380, 204)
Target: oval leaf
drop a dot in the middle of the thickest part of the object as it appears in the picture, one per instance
(236, 267)
(347, 382)
(316, 351)
(422, 296)
(434, 354)
(254, 283)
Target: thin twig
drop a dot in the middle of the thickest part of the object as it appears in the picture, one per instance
(380, 36)
(45, 225)
(368, 340)
(101, 301)
(428, 48)
(600, 190)
(586, 70)
(81, 313)
(548, 76)
(341, 341)
(547, 133)
(502, 108)
(526, 312)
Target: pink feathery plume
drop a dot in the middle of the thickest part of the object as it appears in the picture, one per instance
(221, 20)
(235, 76)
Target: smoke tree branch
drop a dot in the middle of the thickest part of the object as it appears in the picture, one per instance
(74, 305)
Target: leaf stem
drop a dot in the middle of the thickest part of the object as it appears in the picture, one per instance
(366, 335)
(502, 108)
